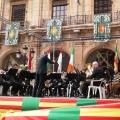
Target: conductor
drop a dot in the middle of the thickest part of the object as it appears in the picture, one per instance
(41, 73)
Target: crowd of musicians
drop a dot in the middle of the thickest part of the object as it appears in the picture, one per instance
(15, 83)
(22, 86)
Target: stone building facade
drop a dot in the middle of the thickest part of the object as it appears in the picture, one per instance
(77, 24)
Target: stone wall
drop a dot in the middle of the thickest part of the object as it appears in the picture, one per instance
(36, 10)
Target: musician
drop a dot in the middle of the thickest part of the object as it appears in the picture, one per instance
(23, 82)
(88, 69)
(109, 76)
(53, 84)
(111, 71)
(26, 88)
(77, 83)
(41, 73)
(97, 74)
(4, 83)
(63, 84)
(119, 89)
(14, 80)
(106, 74)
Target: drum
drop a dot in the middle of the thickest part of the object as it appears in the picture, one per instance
(114, 87)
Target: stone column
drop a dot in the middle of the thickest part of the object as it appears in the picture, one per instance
(1, 11)
(78, 55)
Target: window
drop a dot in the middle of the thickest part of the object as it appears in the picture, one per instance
(59, 9)
(102, 6)
(59, 12)
(18, 13)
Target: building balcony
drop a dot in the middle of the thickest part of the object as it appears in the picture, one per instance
(24, 24)
(82, 20)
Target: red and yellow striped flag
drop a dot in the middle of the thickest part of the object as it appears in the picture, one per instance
(29, 103)
(95, 112)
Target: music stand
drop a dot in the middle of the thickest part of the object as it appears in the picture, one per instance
(24, 74)
(12, 72)
(54, 76)
(76, 70)
(71, 76)
(32, 76)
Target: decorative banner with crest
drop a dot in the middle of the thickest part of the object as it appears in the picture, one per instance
(102, 27)
(11, 37)
(54, 29)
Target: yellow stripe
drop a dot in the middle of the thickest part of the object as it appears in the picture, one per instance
(108, 112)
(30, 113)
(11, 103)
(59, 105)
(6, 110)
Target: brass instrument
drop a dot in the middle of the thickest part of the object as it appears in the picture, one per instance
(89, 69)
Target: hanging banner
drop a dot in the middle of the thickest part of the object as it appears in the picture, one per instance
(11, 36)
(102, 27)
(54, 29)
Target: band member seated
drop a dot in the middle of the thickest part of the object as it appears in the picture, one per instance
(119, 90)
(63, 84)
(53, 87)
(51, 84)
(27, 88)
(112, 72)
(97, 74)
(109, 76)
(24, 78)
(74, 88)
(5, 84)
(81, 77)
(13, 79)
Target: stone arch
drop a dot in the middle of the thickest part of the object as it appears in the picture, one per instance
(10, 58)
(4, 57)
(95, 47)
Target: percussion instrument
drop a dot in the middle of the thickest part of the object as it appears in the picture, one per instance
(114, 87)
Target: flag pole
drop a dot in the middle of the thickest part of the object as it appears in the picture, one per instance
(53, 54)
(117, 58)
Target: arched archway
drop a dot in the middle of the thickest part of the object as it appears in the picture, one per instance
(103, 55)
(65, 60)
(12, 60)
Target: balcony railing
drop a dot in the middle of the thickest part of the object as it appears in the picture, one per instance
(70, 20)
(24, 24)
(82, 19)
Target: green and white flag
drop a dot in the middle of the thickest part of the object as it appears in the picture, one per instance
(48, 64)
(54, 29)
(11, 36)
(102, 27)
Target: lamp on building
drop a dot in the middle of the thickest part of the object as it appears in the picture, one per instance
(76, 31)
(25, 58)
(32, 53)
(32, 26)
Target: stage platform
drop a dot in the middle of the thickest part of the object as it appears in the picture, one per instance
(58, 108)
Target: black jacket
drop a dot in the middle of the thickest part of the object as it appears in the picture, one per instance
(96, 74)
(42, 64)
